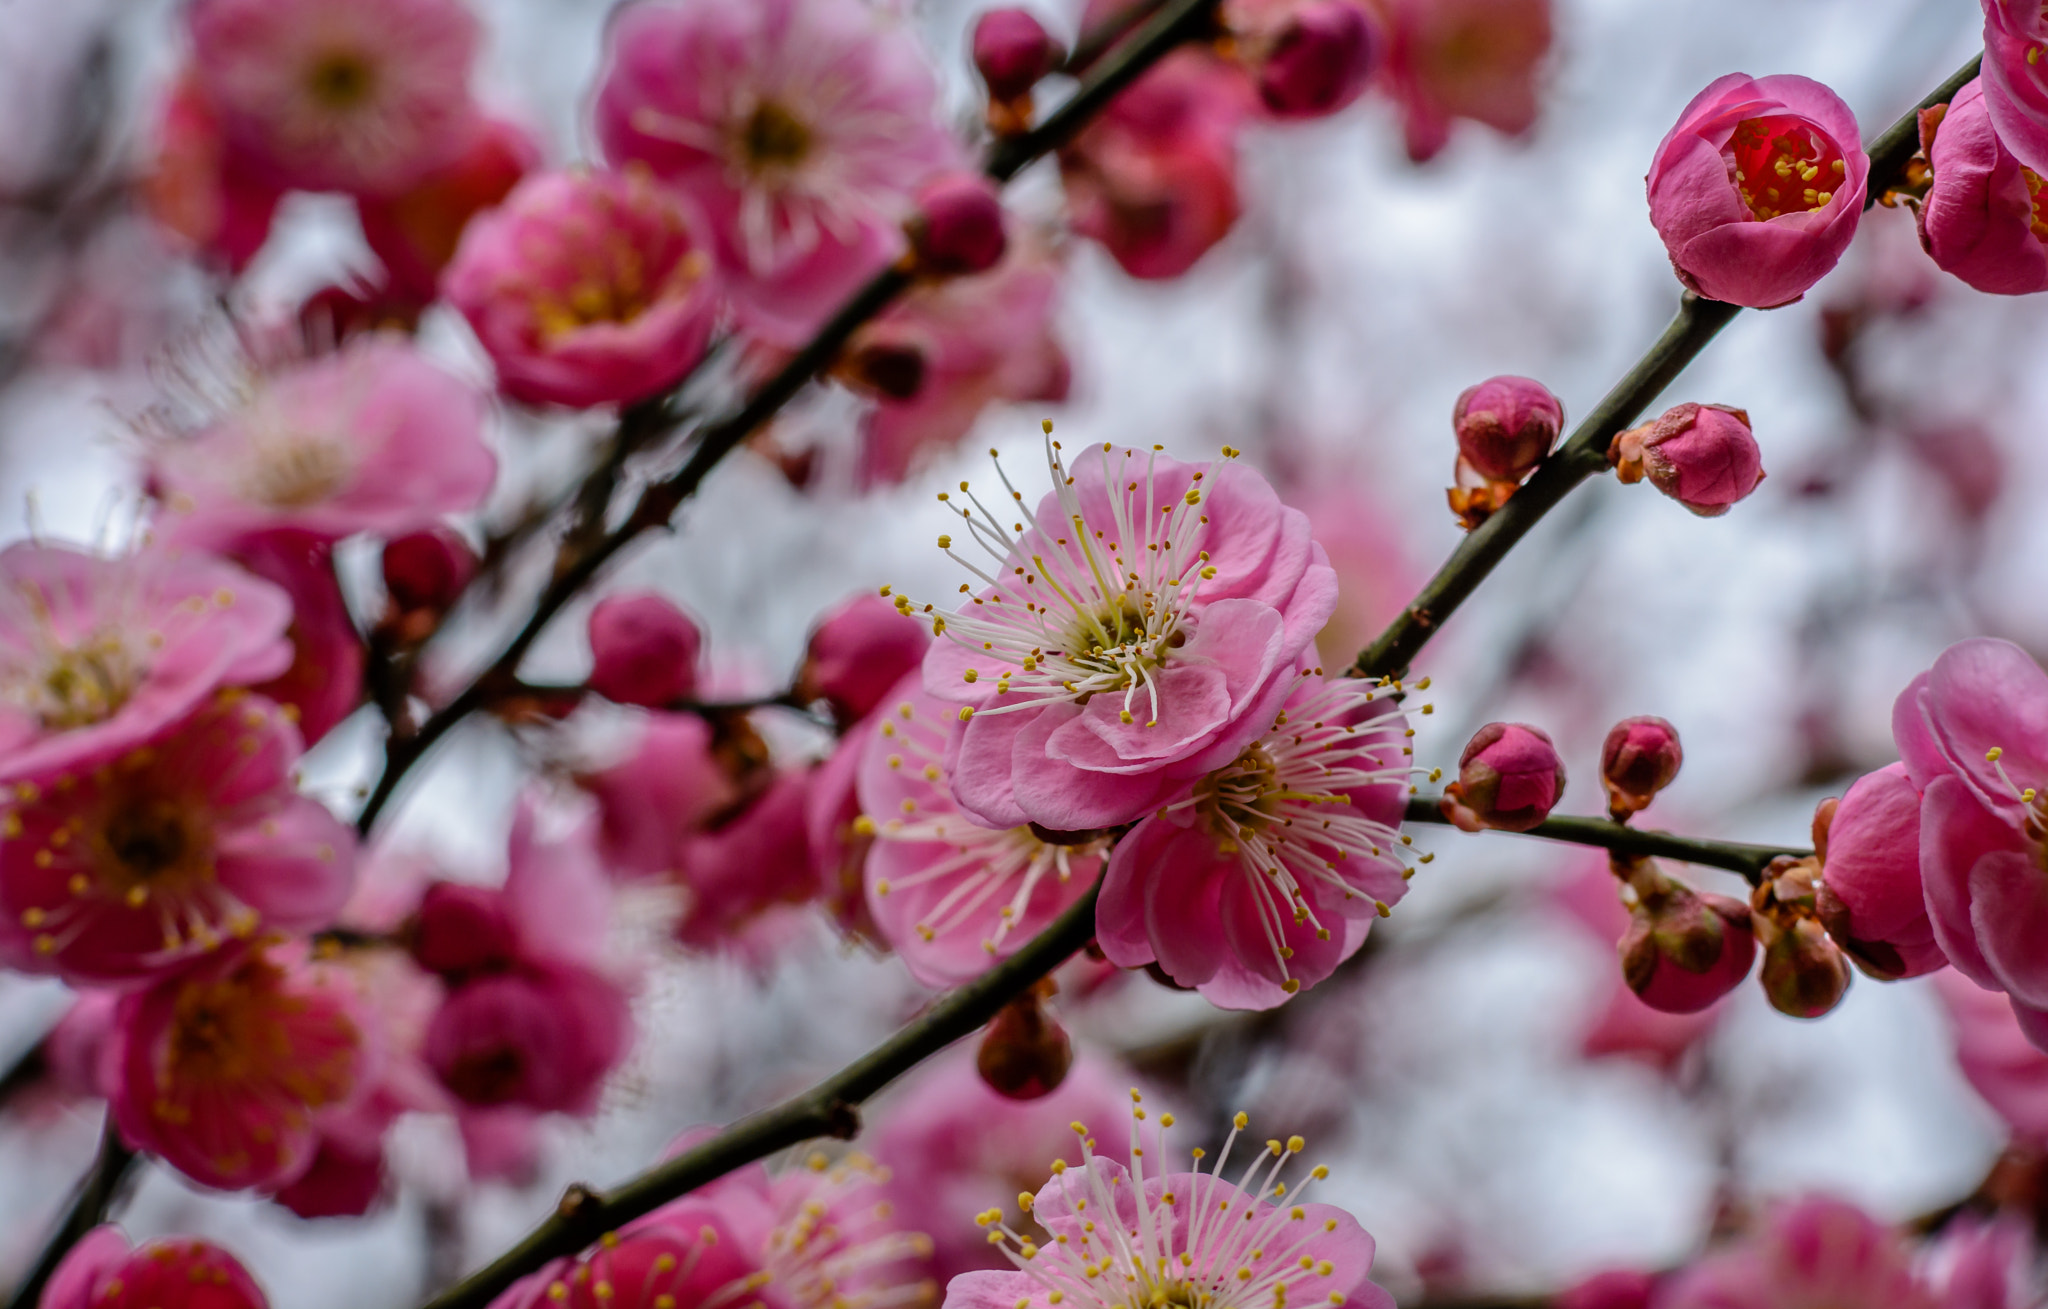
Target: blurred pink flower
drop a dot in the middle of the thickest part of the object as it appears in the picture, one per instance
(1477, 59)
(692, 1252)
(201, 187)
(1270, 874)
(643, 649)
(373, 438)
(1985, 1264)
(1758, 188)
(1811, 1252)
(648, 803)
(75, 1048)
(1973, 734)
(1308, 58)
(1983, 220)
(367, 97)
(1375, 574)
(2015, 80)
(839, 838)
(1160, 680)
(102, 1272)
(857, 653)
(1871, 898)
(223, 1070)
(753, 862)
(167, 852)
(801, 127)
(587, 287)
(98, 655)
(1996, 1056)
(325, 682)
(951, 895)
(415, 234)
(1620, 1288)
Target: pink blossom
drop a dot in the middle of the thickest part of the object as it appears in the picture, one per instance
(1758, 188)
(1154, 176)
(587, 288)
(951, 895)
(648, 803)
(693, 1252)
(1087, 702)
(372, 438)
(1683, 949)
(1269, 875)
(749, 864)
(838, 837)
(1309, 57)
(958, 227)
(1509, 777)
(1477, 59)
(325, 682)
(102, 1272)
(1985, 1264)
(1997, 1057)
(202, 188)
(857, 654)
(1703, 456)
(1620, 1288)
(2015, 81)
(1282, 1251)
(1814, 1251)
(800, 127)
(345, 1179)
(98, 655)
(1871, 897)
(415, 234)
(1983, 220)
(643, 649)
(1973, 734)
(1013, 52)
(1639, 758)
(222, 1070)
(1506, 425)
(366, 97)
(165, 852)
(953, 1146)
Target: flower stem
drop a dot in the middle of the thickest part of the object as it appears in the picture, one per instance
(95, 1196)
(1735, 856)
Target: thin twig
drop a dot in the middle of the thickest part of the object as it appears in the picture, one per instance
(1735, 856)
(88, 1210)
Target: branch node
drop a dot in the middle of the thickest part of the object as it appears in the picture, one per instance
(842, 1119)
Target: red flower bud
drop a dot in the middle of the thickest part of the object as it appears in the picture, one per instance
(1506, 425)
(643, 650)
(1640, 758)
(461, 929)
(1012, 51)
(427, 570)
(1683, 950)
(959, 226)
(1509, 777)
(1319, 61)
(1703, 456)
(861, 650)
(1025, 1054)
(1804, 974)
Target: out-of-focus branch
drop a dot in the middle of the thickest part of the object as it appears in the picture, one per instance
(88, 1210)
(831, 1108)
(580, 560)
(1735, 856)
(1585, 453)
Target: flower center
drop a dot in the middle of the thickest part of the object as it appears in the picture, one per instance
(153, 840)
(1784, 165)
(79, 685)
(1242, 799)
(220, 1030)
(297, 470)
(340, 80)
(773, 137)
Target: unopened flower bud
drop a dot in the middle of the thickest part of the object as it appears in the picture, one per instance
(643, 650)
(1683, 950)
(1640, 758)
(1319, 60)
(958, 228)
(1013, 51)
(461, 930)
(861, 650)
(1025, 1053)
(428, 570)
(1804, 973)
(1703, 456)
(1506, 425)
(1509, 777)
(1871, 898)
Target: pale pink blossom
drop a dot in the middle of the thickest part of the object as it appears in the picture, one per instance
(367, 97)
(1118, 1232)
(1136, 632)
(800, 127)
(1271, 872)
(1758, 188)
(1983, 219)
(1871, 897)
(325, 682)
(950, 894)
(223, 1070)
(373, 438)
(857, 653)
(155, 856)
(2002, 1065)
(2016, 78)
(102, 1272)
(415, 234)
(98, 655)
(588, 288)
(1476, 59)
(1812, 1252)
(671, 784)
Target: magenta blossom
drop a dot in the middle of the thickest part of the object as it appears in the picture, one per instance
(98, 655)
(223, 1070)
(800, 127)
(1871, 898)
(1270, 874)
(1147, 625)
(747, 866)
(1979, 1263)
(1703, 456)
(1812, 1252)
(415, 235)
(587, 288)
(203, 189)
(1476, 59)
(951, 895)
(1758, 188)
(643, 649)
(367, 97)
(2016, 79)
(325, 682)
(102, 1272)
(1983, 220)
(1193, 1234)
(1506, 425)
(651, 801)
(168, 851)
(857, 653)
(692, 1253)
(1996, 1056)
(1973, 734)
(372, 438)
(1510, 777)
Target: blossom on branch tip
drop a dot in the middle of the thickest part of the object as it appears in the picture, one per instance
(1758, 188)
(102, 1272)
(1510, 777)
(643, 649)
(1983, 219)
(1703, 456)
(1506, 425)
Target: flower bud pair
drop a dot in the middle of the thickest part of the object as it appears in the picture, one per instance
(1805, 974)
(1505, 427)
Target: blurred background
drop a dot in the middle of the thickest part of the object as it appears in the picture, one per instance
(1483, 1112)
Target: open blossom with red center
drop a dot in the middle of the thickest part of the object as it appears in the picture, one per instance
(588, 287)
(102, 1272)
(1136, 631)
(953, 896)
(366, 97)
(1476, 59)
(98, 655)
(372, 438)
(1984, 219)
(2016, 77)
(223, 1070)
(1758, 188)
(802, 128)
(1271, 872)
(121, 872)
(1147, 1237)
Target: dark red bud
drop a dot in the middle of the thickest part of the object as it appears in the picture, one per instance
(959, 226)
(893, 370)
(461, 929)
(643, 650)
(1639, 759)
(1804, 973)
(1506, 425)
(1320, 60)
(1024, 1054)
(1013, 51)
(428, 570)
